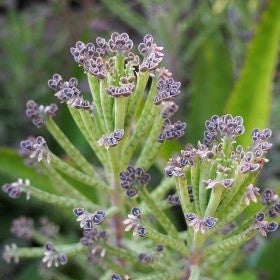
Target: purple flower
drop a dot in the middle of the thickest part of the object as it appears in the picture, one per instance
(251, 194)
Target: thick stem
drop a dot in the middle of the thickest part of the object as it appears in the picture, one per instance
(214, 201)
(182, 191)
(195, 272)
(195, 173)
(120, 112)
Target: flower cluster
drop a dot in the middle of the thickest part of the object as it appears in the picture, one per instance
(120, 43)
(226, 183)
(251, 194)
(222, 127)
(112, 139)
(38, 113)
(173, 200)
(124, 90)
(212, 182)
(15, 189)
(35, 149)
(263, 226)
(47, 227)
(67, 91)
(132, 177)
(88, 220)
(133, 221)
(151, 52)
(167, 89)
(171, 131)
(177, 163)
(10, 253)
(200, 224)
(53, 257)
(22, 227)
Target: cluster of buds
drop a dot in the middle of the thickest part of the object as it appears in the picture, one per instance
(173, 200)
(263, 226)
(226, 183)
(167, 89)
(132, 177)
(38, 113)
(67, 91)
(93, 236)
(111, 140)
(22, 227)
(151, 52)
(53, 257)
(35, 149)
(148, 258)
(177, 163)
(15, 189)
(171, 131)
(133, 221)
(222, 127)
(200, 224)
(124, 90)
(47, 227)
(89, 220)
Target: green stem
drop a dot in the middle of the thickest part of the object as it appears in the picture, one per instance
(69, 250)
(204, 175)
(215, 198)
(70, 149)
(94, 89)
(93, 137)
(230, 242)
(76, 174)
(59, 200)
(195, 173)
(163, 188)
(120, 108)
(182, 191)
(195, 272)
(149, 112)
(151, 145)
(106, 104)
(64, 187)
(165, 240)
(158, 213)
(135, 99)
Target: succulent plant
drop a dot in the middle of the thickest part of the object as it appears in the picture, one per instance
(126, 122)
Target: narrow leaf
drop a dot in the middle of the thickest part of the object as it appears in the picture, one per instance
(251, 97)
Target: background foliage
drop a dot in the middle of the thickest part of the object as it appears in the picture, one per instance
(225, 53)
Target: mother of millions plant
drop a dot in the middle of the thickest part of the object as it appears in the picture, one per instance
(126, 123)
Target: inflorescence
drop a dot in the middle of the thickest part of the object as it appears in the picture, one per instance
(213, 182)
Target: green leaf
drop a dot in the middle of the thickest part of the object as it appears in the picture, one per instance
(251, 97)
(124, 11)
(212, 81)
(12, 164)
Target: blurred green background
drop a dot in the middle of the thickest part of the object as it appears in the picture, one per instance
(225, 53)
